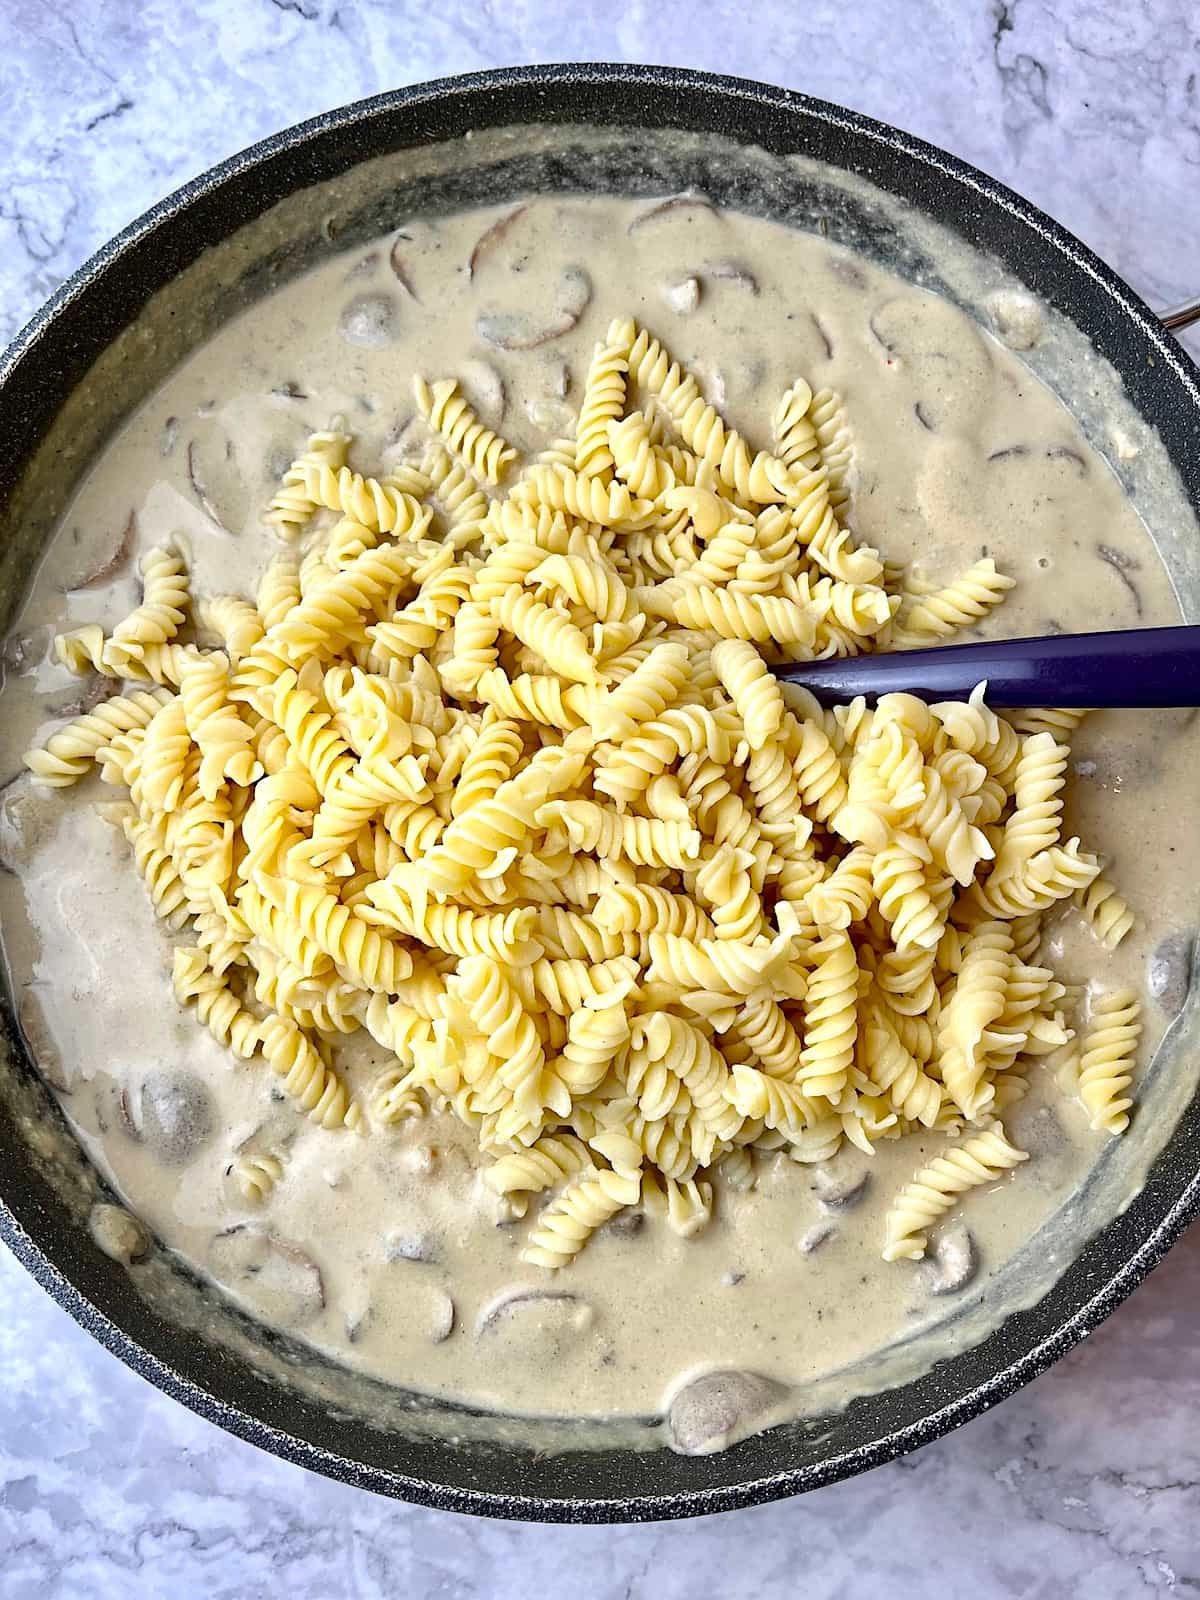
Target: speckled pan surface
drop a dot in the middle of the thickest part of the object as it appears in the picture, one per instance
(239, 1378)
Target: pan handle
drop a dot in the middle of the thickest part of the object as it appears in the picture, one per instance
(1181, 316)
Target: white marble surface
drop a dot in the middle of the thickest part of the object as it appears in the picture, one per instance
(1087, 1482)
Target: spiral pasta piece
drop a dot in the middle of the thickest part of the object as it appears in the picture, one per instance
(474, 840)
(504, 936)
(216, 1005)
(595, 1039)
(763, 1028)
(545, 1164)
(1058, 873)
(306, 1077)
(587, 581)
(760, 618)
(69, 755)
(586, 1204)
(489, 763)
(956, 844)
(497, 1012)
(256, 1175)
(637, 461)
(1107, 1060)
(847, 894)
(978, 1001)
(445, 408)
(831, 1019)
(646, 841)
(235, 621)
(835, 445)
(166, 599)
(795, 437)
(292, 507)
(603, 402)
(972, 726)
(1106, 910)
(780, 1104)
(1036, 821)
(644, 908)
(363, 954)
(224, 739)
(962, 603)
(373, 502)
(898, 878)
(559, 488)
(726, 966)
(937, 1187)
(562, 645)
(458, 492)
(752, 688)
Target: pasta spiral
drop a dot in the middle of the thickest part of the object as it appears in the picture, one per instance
(966, 600)
(1106, 911)
(216, 1004)
(370, 501)
(292, 507)
(935, 1189)
(603, 401)
(752, 689)
(446, 410)
(590, 499)
(165, 602)
(831, 1019)
(68, 755)
(1106, 1061)
(586, 1204)
(305, 1076)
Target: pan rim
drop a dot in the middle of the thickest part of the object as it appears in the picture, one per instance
(673, 1503)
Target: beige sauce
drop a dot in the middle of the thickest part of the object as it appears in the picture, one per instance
(959, 452)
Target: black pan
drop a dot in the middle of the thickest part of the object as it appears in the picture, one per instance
(157, 1319)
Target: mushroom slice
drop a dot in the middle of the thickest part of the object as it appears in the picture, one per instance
(278, 1276)
(43, 1047)
(547, 1310)
(198, 481)
(683, 295)
(839, 1185)
(412, 1247)
(441, 1317)
(813, 1238)
(491, 237)
(665, 208)
(731, 271)
(711, 1412)
(953, 1259)
(120, 1235)
(173, 1114)
(109, 565)
(397, 264)
(1168, 972)
(523, 330)
(369, 320)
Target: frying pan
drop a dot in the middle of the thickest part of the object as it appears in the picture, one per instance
(130, 314)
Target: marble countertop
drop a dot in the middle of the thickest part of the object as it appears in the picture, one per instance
(1089, 1480)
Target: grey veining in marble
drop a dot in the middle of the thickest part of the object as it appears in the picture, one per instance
(1088, 1481)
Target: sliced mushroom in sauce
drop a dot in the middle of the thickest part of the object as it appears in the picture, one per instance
(715, 1410)
(274, 1273)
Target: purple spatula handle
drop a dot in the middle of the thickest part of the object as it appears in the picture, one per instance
(1135, 667)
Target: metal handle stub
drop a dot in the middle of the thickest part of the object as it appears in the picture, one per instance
(1181, 316)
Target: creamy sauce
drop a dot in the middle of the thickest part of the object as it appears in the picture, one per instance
(364, 1244)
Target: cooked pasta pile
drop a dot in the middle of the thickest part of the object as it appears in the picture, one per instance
(503, 778)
